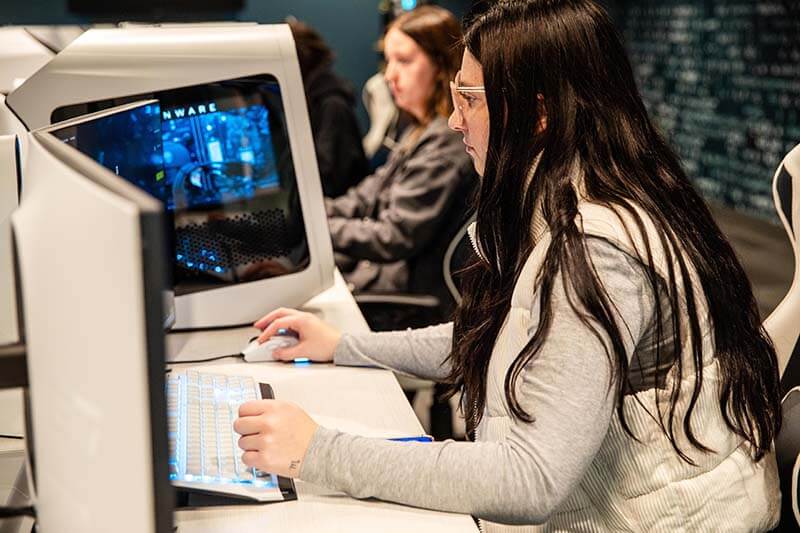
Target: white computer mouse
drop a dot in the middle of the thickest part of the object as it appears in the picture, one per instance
(256, 352)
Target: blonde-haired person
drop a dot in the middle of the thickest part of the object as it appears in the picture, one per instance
(385, 229)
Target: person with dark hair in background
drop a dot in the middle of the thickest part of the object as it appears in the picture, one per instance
(612, 363)
(331, 110)
(389, 232)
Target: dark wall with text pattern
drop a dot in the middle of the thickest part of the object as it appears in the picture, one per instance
(722, 80)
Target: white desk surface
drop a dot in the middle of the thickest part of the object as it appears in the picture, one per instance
(359, 400)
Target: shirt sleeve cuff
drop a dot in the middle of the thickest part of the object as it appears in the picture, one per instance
(345, 355)
(313, 469)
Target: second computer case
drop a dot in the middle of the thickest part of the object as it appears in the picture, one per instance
(115, 63)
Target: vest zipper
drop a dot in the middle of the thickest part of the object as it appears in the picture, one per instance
(478, 521)
(474, 418)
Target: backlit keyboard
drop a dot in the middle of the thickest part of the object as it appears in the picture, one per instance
(203, 450)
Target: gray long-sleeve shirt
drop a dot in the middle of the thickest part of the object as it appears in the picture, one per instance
(525, 477)
(396, 211)
(389, 232)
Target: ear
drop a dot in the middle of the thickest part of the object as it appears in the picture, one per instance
(542, 110)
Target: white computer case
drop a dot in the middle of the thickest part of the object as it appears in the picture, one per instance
(111, 63)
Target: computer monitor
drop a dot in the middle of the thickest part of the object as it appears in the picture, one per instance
(90, 259)
(240, 182)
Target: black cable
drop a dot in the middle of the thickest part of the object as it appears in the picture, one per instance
(205, 360)
(210, 328)
(11, 512)
(11, 437)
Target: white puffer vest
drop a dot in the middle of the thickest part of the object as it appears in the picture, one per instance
(642, 486)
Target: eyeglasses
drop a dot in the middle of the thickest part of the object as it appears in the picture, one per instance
(463, 95)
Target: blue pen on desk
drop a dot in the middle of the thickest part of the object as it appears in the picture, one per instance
(418, 438)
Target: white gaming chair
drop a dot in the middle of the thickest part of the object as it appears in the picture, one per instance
(783, 325)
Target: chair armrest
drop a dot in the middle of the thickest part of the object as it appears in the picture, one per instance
(386, 311)
(397, 298)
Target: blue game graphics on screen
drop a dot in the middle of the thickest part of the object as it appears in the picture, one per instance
(209, 154)
(215, 156)
(190, 157)
(127, 143)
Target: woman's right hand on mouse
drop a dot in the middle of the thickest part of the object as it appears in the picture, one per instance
(317, 340)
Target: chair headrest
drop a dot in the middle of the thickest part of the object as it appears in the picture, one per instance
(782, 324)
(786, 186)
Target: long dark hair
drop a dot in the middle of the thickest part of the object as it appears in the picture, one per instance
(312, 50)
(438, 33)
(569, 52)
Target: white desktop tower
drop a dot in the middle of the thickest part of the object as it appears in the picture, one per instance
(21, 54)
(140, 62)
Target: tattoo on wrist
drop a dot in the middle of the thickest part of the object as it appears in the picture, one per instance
(294, 464)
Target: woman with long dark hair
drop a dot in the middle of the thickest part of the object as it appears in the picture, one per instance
(608, 348)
